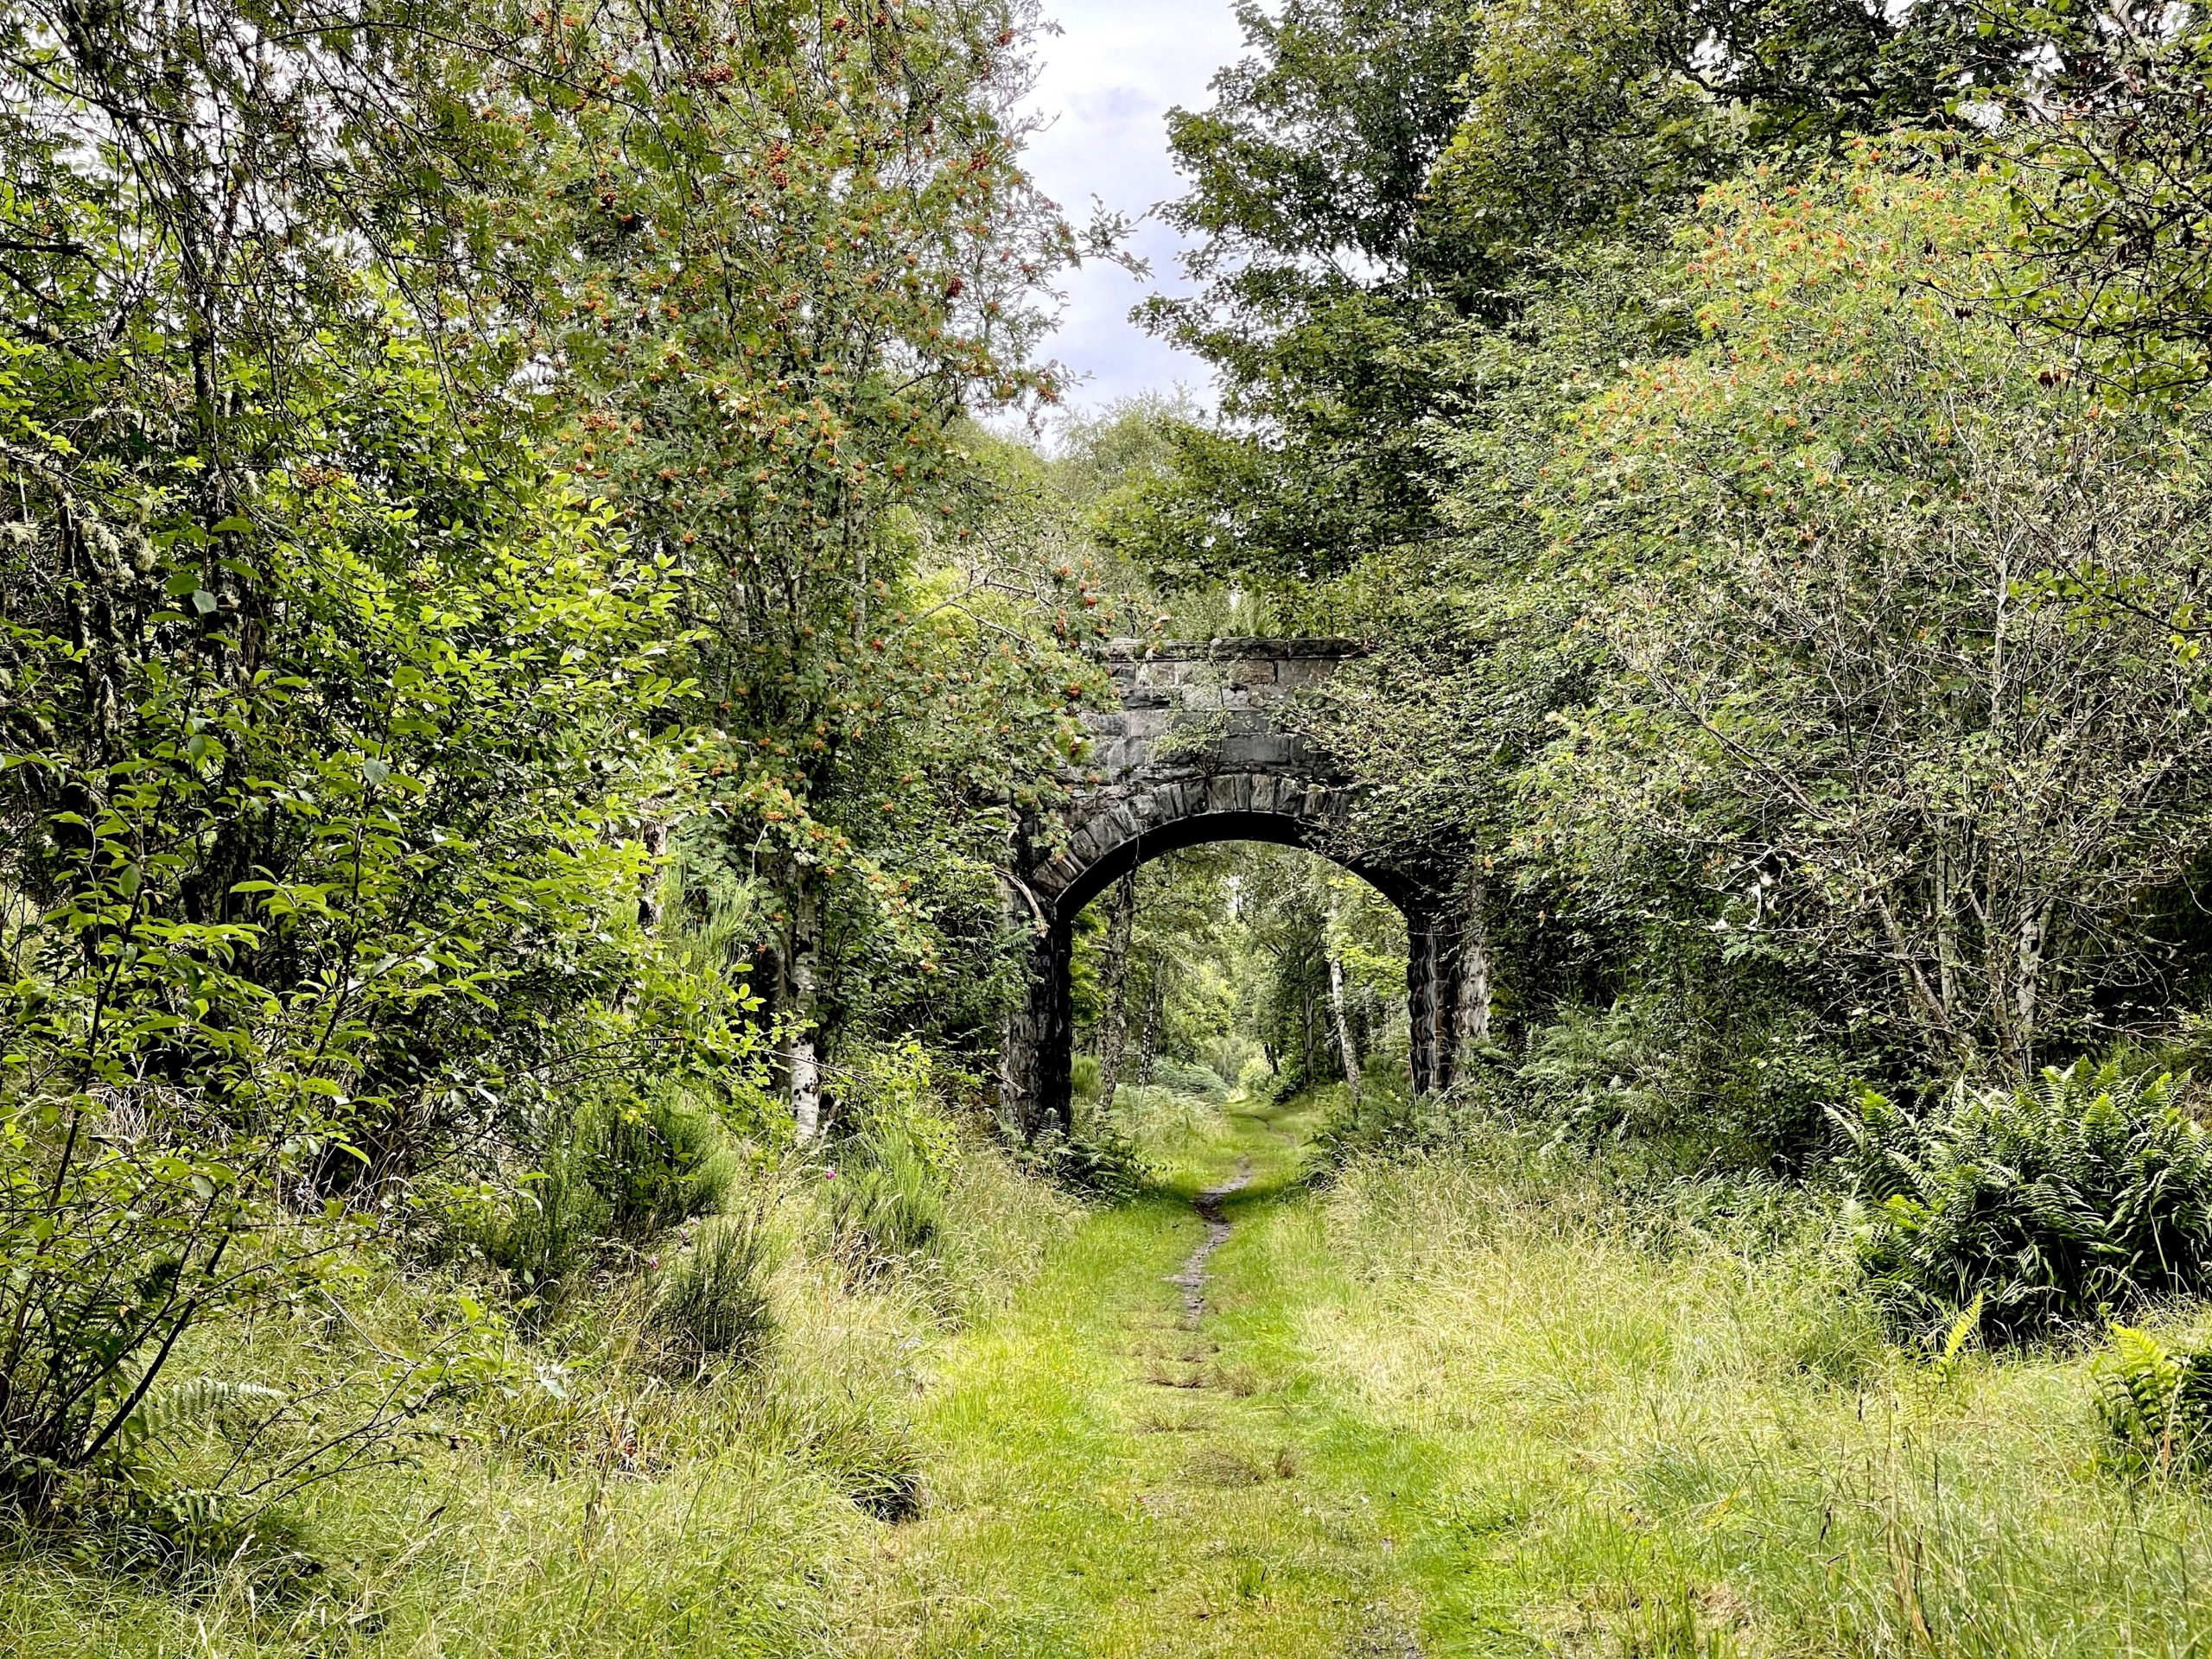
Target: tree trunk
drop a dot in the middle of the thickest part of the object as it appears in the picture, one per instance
(1471, 1018)
(1305, 1036)
(2035, 928)
(1155, 1009)
(1114, 1019)
(1946, 923)
(1345, 1047)
(803, 1061)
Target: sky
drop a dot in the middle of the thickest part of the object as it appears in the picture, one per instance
(1106, 85)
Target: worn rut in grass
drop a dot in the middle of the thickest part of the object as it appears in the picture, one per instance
(1134, 1459)
(1192, 1278)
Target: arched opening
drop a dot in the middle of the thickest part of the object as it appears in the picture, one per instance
(1275, 829)
(1234, 971)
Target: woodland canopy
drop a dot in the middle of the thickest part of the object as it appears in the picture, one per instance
(544, 596)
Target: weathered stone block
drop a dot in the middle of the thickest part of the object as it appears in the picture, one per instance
(1255, 749)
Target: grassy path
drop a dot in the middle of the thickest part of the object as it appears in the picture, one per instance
(1108, 1478)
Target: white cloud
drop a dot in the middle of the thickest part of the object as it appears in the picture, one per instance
(1107, 84)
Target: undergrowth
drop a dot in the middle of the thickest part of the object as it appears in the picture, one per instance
(668, 1453)
(1687, 1400)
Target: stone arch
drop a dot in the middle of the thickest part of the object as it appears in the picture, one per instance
(1206, 747)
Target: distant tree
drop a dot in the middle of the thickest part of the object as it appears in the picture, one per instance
(1378, 176)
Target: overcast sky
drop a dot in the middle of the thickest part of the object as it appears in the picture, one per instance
(1108, 83)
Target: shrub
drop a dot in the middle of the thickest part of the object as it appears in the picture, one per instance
(2087, 1191)
(1188, 1077)
(853, 1435)
(712, 1299)
(1155, 1117)
(123, 1224)
(191, 1543)
(1100, 1161)
(1085, 1074)
(886, 1201)
(1747, 1082)
(614, 1166)
(2156, 1403)
(549, 1224)
(1387, 1119)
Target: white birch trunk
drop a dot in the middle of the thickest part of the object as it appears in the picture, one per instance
(1345, 1047)
(803, 1061)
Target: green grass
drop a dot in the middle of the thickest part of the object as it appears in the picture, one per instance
(1657, 1428)
(1486, 1403)
(611, 1507)
(1104, 1481)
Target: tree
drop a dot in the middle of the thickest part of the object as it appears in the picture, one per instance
(1377, 176)
(1890, 591)
(321, 699)
(2102, 140)
(790, 250)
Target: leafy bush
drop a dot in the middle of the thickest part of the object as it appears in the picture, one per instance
(1085, 1076)
(1100, 1161)
(888, 1195)
(125, 1220)
(712, 1299)
(1600, 1072)
(2156, 1403)
(2087, 1191)
(1385, 1119)
(543, 1226)
(859, 1444)
(191, 1543)
(1155, 1117)
(1188, 1077)
(1748, 1083)
(616, 1166)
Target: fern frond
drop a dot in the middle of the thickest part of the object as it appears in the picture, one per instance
(204, 1401)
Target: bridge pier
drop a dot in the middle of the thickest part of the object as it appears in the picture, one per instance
(1036, 1059)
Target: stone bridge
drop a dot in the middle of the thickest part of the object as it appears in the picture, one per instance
(1208, 745)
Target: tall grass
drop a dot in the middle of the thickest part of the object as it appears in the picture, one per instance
(1672, 1413)
(592, 1500)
